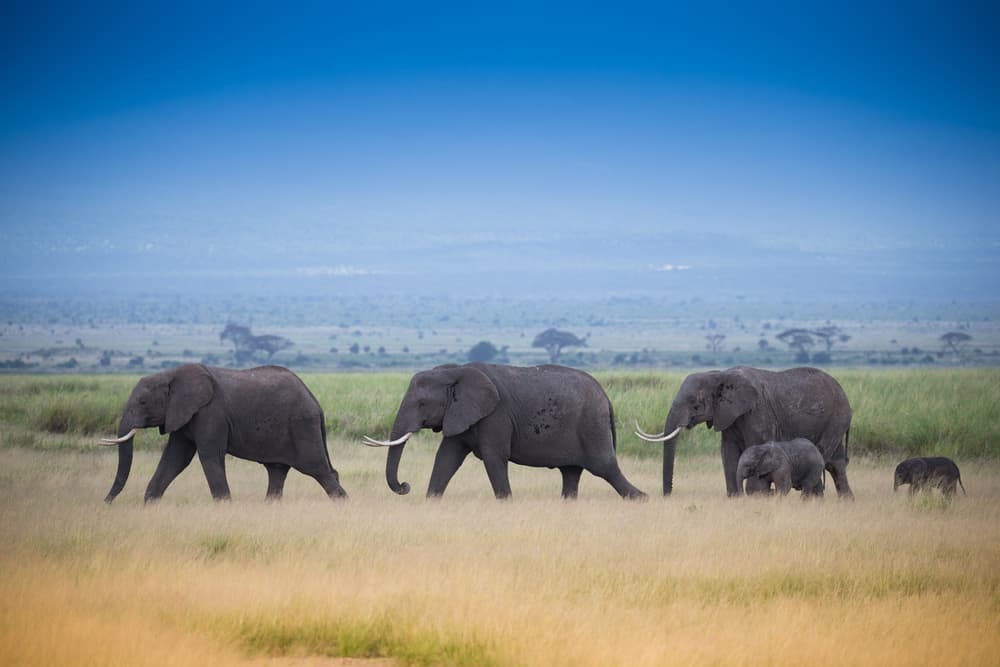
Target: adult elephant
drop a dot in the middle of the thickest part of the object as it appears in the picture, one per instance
(751, 406)
(263, 414)
(544, 416)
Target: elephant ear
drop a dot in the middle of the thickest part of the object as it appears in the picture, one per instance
(767, 463)
(918, 469)
(734, 396)
(190, 389)
(471, 397)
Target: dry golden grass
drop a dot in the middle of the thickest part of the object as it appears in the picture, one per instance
(695, 579)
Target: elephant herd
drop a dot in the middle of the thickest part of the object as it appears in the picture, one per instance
(782, 428)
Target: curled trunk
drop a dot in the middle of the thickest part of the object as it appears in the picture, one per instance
(395, 453)
(392, 470)
(124, 461)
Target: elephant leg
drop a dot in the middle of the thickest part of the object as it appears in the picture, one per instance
(449, 458)
(838, 471)
(730, 461)
(496, 469)
(176, 456)
(276, 473)
(570, 480)
(782, 486)
(214, 465)
(330, 481)
(612, 474)
(814, 486)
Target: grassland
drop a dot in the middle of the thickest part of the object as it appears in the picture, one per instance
(691, 579)
(902, 411)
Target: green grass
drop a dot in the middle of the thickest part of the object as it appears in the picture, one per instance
(947, 412)
(297, 631)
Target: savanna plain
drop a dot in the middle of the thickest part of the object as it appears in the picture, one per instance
(380, 580)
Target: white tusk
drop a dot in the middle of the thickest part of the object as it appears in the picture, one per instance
(372, 442)
(642, 434)
(118, 441)
(657, 438)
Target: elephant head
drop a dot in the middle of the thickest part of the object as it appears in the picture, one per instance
(447, 399)
(715, 398)
(756, 462)
(167, 400)
(909, 472)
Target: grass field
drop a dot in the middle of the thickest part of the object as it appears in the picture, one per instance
(466, 580)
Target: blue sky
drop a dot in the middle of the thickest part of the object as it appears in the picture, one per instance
(383, 137)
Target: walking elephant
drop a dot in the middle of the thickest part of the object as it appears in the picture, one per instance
(543, 416)
(263, 414)
(750, 406)
(927, 472)
(795, 464)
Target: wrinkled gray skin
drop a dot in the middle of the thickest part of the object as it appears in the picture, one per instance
(542, 416)
(751, 406)
(795, 464)
(263, 414)
(928, 472)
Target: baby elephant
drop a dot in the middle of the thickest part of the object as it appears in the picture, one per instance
(928, 472)
(794, 464)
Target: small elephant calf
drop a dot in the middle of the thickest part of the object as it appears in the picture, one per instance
(927, 472)
(793, 464)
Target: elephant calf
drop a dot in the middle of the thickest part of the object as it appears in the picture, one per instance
(927, 472)
(793, 464)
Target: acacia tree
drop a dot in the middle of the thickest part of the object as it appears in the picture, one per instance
(715, 342)
(830, 335)
(798, 339)
(246, 345)
(955, 341)
(554, 341)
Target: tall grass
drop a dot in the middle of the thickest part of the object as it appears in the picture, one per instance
(896, 412)
(695, 579)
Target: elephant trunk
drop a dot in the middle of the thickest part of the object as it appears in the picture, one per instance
(124, 458)
(392, 470)
(394, 455)
(670, 451)
(741, 475)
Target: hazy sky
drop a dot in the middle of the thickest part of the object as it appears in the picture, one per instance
(342, 138)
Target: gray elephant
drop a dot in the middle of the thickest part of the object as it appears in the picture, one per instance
(751, 406)
(795, 464)
(263, 414)
(928, 472)
(543, 416)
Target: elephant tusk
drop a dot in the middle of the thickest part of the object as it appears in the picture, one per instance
(372, 442)
(642, 434)
(655, 438)
(118, 441)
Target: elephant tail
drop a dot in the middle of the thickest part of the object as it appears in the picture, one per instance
(962, 485)
(614, 433)
(847, 442)
(322, 430)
